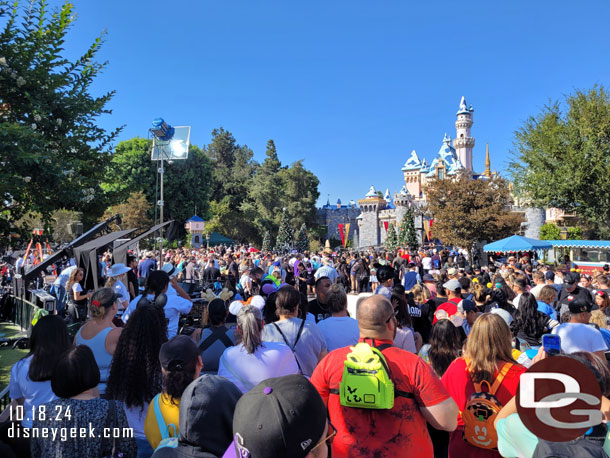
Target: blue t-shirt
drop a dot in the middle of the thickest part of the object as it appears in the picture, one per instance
(547, 309)
(409, 280)
(64, 276)
(145, 266)
(33, 393)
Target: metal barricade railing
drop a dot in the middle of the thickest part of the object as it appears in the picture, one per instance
(24, 311)
(5, 399)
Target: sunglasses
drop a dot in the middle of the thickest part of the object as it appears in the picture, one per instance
(330, 435)
(393, 315)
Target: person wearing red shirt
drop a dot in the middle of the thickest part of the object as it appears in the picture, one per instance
(487, 349)
(397, 432)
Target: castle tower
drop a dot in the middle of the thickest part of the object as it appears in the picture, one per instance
(487, 172)
(463, 142)
(369, 230)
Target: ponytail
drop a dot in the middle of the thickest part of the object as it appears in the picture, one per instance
(250, 322)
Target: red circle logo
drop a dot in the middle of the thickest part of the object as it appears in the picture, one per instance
(559, 399)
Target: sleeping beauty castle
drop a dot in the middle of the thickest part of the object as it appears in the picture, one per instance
(366, 222)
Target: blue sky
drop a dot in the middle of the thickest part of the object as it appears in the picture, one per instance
(350, 87)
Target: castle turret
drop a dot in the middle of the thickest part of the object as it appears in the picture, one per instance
(369, 226)
(463, 142)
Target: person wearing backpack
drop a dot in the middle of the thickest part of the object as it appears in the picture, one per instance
(180, 365)
(484, 379)
(380, 397)
(206, 419)
(301, 336)
(214, 339)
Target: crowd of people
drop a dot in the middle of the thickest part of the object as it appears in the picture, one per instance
(288, 349)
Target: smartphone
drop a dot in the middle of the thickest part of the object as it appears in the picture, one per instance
(551, 344)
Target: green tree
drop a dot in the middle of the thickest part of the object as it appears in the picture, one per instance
(302, 239)
(134, 212)
(285, 235)
(407, 236)
(561, 158)
(575, 233)
(467, 211)
(266, 242)
(391, 238)
(186, 183)
(299, 194)
(233, 169)
(264, 195)
(550, 231)
(52, 151)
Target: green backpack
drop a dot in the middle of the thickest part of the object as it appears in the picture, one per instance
(366, 381)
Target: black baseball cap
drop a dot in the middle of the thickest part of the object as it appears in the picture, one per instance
(570, 278)
(579, 304)
(279, 417)
(468, 305)
(178, 352)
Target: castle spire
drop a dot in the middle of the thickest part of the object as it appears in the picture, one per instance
(487, 162)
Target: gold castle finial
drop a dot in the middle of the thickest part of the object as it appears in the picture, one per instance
(487, 162)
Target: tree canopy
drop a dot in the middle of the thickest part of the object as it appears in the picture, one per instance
(467, 211)
(187, 183)
(52, 151)
(562, 158)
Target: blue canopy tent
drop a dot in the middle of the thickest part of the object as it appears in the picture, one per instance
(517, 243)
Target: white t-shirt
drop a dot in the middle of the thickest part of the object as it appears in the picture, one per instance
(427, 263)
(536, 290)
(339, 331)
(516, 300)
(120, 289)
(175, 306)
(34, 393)
(308, 349)
(579, 337)
(246, 370)
(76, 288)
(245, 281)
(404, 339)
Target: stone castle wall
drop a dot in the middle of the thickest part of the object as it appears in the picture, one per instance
(332, 217)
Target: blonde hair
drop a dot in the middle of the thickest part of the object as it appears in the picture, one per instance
(72, 278)
(337, 299)
(489, 343)
(479, 293)
(101, 297)
(421, 294)
(111, 281)
(599, 318)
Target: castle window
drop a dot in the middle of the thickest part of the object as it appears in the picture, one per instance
(440, 174)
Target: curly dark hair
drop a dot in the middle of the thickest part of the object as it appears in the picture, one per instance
(135, 374)
(176, 381)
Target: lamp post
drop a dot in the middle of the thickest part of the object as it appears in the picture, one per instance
(168, 143)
